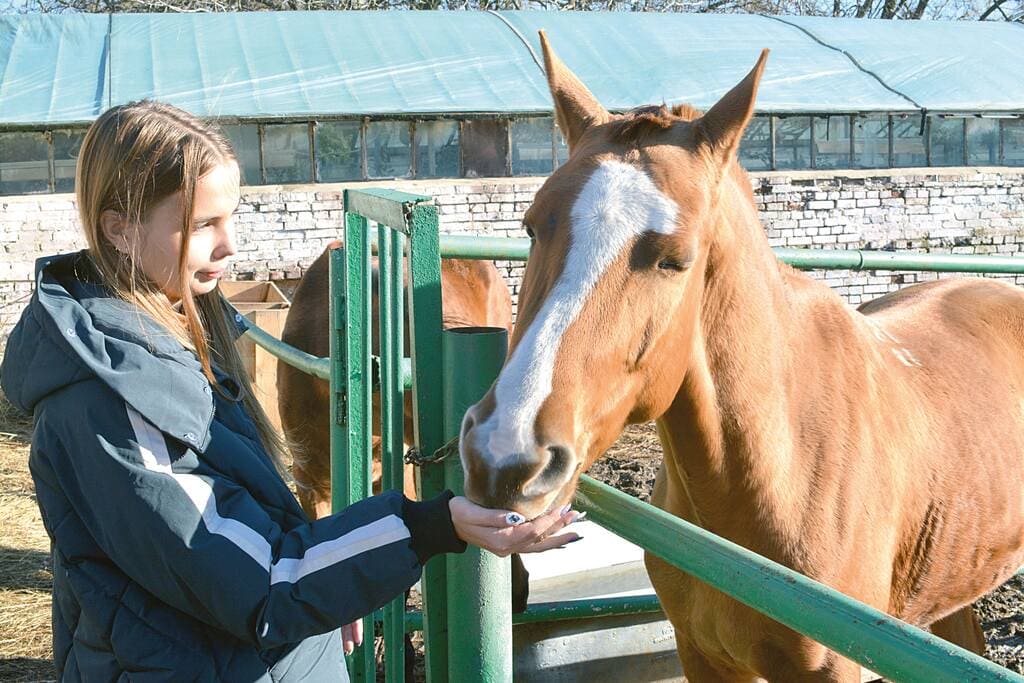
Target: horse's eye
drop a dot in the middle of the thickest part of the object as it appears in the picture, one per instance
(529, 232)
(669, 264)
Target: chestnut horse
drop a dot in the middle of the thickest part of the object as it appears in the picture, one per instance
(473, 295)
(879, 451)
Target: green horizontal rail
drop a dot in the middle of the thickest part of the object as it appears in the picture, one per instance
(297, 358)
(595, 608)
(808, 259)
(482, 247)
(883, 644)
(589, 609)
(476, 247)
(503, 248)
(308, 363)
(479, 247)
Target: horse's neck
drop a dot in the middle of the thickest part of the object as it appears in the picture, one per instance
(728, 431)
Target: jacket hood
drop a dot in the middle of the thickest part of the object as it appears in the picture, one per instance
(74, 330)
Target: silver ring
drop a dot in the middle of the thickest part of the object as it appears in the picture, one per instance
(514, 519)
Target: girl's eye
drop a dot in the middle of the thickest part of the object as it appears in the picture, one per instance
(201, 226)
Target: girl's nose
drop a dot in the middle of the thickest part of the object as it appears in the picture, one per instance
(227, 245)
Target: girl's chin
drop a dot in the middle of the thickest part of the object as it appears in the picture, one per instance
(204, 286)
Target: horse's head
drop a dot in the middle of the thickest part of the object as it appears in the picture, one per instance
(610, 303)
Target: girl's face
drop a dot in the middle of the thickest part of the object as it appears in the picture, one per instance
(212, 241)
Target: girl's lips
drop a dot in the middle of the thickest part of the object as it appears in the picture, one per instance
(210, 274)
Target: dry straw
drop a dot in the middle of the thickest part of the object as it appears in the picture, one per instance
(25, 572)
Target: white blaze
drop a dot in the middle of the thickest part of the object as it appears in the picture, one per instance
(618, 203)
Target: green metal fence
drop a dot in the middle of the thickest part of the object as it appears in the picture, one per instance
(472, 591)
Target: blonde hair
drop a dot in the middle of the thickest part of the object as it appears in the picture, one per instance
(134, 156)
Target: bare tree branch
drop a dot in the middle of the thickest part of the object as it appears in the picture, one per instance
(1008, 10)
(864, 9)
(919, 10)
(997, 5)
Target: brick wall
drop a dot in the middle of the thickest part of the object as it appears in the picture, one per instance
(281, 230)
(959, 211)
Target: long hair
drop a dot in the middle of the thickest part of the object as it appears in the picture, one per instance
(134, 156)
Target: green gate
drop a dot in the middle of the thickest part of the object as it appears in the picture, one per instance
(471, 592)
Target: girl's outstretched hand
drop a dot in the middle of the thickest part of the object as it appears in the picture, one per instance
(496, 530)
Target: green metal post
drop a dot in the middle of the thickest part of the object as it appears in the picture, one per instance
(428, 386)
(339, 411)
(480, 620)
(351, 431)
(392, 407)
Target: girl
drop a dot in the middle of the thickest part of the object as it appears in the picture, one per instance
(179, 553)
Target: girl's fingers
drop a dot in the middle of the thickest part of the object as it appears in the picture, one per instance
(470, 513)
(504, 531)
(551, 542)
(352, 636)
(357, 630)
(347, 639)
(543, 527)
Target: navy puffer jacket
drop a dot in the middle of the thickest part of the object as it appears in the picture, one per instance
(179, 553)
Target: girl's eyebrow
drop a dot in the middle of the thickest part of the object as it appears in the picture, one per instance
(207, 218)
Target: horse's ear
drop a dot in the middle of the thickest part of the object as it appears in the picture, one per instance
(722, 127)
(576, 109)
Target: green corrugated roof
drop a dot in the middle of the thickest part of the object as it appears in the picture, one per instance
(53, 67)
(941, 65)
(60, 69)
(632, 59)
(306, 63)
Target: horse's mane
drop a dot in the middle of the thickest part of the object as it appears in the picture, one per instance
(643, 121)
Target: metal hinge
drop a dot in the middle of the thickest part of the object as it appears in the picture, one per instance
(341, 417)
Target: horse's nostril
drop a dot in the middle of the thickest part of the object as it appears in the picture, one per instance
(535, 474)
(552, 473)
(560, 463)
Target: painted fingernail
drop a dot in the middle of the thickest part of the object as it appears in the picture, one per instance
(578, 538)
(579, 517)
(565, 510)
(514, 519)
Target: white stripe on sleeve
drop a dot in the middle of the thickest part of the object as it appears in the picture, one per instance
(156, 458)
(374, 535)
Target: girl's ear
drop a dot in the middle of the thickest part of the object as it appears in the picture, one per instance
(115, 229)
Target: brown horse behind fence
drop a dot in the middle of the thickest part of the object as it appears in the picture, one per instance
(473, 295)
(880, 451)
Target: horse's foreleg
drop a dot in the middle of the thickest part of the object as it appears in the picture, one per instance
(520, 584)
(962, 628)
(699, 669)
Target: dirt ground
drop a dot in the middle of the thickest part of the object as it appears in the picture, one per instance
(26, 579)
